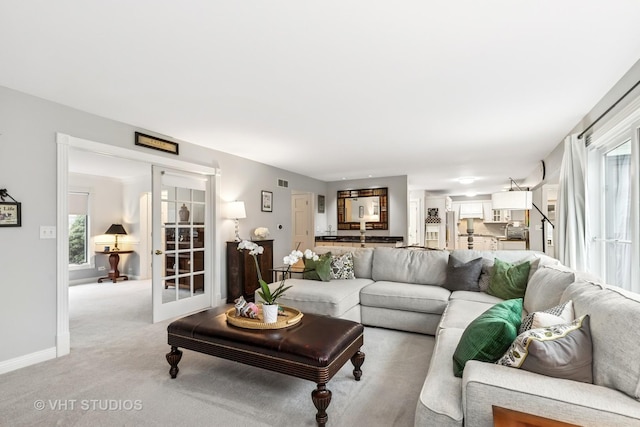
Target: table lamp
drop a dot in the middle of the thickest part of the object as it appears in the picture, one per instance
(236, 211)
(116, 229)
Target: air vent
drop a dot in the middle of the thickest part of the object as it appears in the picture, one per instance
(283, 183)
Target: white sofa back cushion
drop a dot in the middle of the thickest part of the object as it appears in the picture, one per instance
(546, 286)
(410, 266)
(362, 258)
(615, 316)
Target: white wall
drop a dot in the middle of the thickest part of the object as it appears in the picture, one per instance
(28, 127)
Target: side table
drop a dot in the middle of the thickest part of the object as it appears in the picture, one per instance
(114, 259)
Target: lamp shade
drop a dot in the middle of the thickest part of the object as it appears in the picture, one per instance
(512, 200)
(235, 210)
(116, 229)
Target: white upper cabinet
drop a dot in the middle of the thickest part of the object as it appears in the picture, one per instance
(471, 210)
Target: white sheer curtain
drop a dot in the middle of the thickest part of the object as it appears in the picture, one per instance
(572, 223)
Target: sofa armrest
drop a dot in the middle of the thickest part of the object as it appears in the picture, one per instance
(487, 384)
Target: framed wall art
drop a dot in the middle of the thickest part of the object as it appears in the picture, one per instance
(10, 214)
(267, 201)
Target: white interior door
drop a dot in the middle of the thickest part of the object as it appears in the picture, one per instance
(181, 239)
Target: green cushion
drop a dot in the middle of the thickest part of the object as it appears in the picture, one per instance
(318, 270)
(509, 281)
(489, 335)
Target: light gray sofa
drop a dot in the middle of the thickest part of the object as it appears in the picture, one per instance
(402, 289)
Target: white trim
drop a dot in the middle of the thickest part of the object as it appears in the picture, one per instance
(27, 360)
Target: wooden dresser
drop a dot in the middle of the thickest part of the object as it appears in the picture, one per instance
(242, 277)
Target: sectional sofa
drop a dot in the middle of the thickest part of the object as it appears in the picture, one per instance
(405, 289)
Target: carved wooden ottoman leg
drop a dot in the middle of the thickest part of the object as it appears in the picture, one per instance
(321, 398)
(174, 358)
(357, 360)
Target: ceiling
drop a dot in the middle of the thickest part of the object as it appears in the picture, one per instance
(434, 90)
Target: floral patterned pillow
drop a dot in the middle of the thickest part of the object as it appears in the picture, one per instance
(342, 266)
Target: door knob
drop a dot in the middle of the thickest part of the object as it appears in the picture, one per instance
(158, 252)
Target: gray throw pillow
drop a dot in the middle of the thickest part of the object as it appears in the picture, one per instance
(561, 351)
(463, 276)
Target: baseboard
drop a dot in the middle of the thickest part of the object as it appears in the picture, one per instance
(27, 360)
(89, 280)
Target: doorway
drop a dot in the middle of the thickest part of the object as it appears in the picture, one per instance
(64, 144)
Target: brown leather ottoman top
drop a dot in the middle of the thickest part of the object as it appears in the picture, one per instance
(315, 340)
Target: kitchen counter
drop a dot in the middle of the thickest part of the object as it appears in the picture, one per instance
(356, 239)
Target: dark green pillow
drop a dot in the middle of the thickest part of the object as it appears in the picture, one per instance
(489, 335)
(509, 281)
(318, 270)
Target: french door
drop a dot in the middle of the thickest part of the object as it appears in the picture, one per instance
(181, 238)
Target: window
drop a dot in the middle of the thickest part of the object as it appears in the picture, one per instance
(78, 229)
(613, 183)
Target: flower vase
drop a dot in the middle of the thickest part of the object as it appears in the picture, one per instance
(269, 313)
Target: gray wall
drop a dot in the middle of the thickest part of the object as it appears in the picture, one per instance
(28, 127)
(398, 204)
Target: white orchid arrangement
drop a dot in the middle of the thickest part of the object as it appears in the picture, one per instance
(265, 293)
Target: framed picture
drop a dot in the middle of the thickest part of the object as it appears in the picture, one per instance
(320, 203)
(267, 201)
(10, 214)
(157, 143)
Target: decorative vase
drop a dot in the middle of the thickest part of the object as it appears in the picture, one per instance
(184, 213)
(269, 313)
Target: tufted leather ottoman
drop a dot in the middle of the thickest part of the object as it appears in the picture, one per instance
(313, 349)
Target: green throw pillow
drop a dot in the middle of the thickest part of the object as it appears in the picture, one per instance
(509, 281)
(489, 335)
(318, 270)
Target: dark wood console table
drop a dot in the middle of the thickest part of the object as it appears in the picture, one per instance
(114, 259)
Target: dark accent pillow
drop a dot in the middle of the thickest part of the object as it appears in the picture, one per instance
(509, 281)
(318, 270)
(560, 351)
(463, 276)
(489, 335)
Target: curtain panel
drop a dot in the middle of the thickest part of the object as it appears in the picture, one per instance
(572, 219)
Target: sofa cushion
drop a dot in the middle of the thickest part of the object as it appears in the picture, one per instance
(489, 335)
(561, 313)
(475, 296)
(342, 266)
(440, 401)
(561, 351)
(405, 296)
(460, 313)
(332, 298)
(410, 266)
(319, 269)
(463, 276)
(508, 280)
(613, 318)
(362, 258)
(545, 287)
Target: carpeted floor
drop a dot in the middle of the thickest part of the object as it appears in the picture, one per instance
(117, 375)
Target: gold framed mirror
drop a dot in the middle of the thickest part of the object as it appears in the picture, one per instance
(368, 205)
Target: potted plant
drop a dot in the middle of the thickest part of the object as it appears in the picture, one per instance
(270, 297)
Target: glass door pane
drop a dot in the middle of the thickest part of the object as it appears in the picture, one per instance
(617, 215)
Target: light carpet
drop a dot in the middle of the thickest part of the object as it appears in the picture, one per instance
(117, 375)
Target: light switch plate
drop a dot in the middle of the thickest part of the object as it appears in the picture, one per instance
(47, 232)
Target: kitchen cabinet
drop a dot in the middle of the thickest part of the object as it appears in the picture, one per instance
(471, 210)
(480, 243)
(495, 215)
(512, 245)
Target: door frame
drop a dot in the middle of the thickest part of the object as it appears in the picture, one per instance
(66, 142)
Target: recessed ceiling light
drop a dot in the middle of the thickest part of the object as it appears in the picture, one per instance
(471, 194)
(466, 180)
